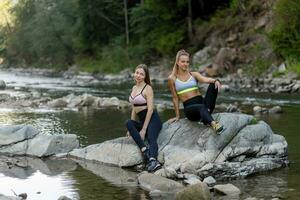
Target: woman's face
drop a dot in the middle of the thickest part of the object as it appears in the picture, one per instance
(139, 75)
(183, 62)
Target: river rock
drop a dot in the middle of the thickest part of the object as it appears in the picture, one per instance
(282, 68)
(191, 179)
(152, 182)
(296, 88)
(121, 152)
(167, 172)
(227, 189)
(14, 134)
(25, 140)
(198, 191)
(2, 85)
(3, 197)
(209, 181)
(57, 103)
(243, 148)
(275, 109)
(64, 198)
(202, 56)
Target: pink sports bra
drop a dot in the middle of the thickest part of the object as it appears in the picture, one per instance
(138, 100)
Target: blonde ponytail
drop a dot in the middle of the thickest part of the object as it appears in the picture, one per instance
(181, 52)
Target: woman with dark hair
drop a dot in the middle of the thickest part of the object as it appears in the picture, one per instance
(149, 124)
(184, 87)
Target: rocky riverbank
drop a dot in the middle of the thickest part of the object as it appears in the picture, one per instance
(234, 82)
(37, 93)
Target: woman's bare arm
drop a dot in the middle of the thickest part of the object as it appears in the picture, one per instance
(175, 98)
(204, 79)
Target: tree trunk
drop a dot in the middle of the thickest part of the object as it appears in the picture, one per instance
(190, 26)
(126, 22)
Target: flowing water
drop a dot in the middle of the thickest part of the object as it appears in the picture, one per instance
(48, 180)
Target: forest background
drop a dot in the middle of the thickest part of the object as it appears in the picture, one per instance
(107, 36)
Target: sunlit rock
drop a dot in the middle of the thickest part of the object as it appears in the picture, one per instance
(121, 152)
(26, 140)
(14, 134)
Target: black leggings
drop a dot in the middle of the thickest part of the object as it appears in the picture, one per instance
(197, 108)
(152, 132)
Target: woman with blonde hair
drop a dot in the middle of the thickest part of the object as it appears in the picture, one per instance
(184, 87)
(149, 124)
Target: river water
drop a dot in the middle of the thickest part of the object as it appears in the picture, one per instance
(48, 180)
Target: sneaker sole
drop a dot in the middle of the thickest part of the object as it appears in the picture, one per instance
(156, 168)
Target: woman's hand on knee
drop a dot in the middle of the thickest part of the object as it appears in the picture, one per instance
(218, 85)
(128, 134)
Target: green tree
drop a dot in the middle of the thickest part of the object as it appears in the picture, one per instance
(101, 21)
(156, 26)
(44, 32)
(285, 35)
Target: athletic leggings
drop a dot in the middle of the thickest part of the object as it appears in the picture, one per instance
(152, 132)
(199, 109)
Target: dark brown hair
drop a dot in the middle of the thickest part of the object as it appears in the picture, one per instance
(147, 76)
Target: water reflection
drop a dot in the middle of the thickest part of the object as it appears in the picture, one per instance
(40, 179)
(95, 185)
(114, 175)
(39, 186)
(267, 185)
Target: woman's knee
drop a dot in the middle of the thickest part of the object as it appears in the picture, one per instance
(152, 134)
(129, 123)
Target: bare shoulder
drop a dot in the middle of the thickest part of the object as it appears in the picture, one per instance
(149, 88)
(148, 91)
(171, 78)
(195, 74)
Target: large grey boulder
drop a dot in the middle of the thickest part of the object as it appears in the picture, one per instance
(14, 134)
(122, 152)
(244, 147)
(194, 145)
(26, 140)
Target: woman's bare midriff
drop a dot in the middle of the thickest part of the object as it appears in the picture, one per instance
(188, 95)
(138, 109)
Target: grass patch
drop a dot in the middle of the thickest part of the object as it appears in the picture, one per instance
(253, 121)
(111, 59)
(261, 65)
(295, 67)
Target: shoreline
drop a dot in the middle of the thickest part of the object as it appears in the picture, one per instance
(231, 82)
